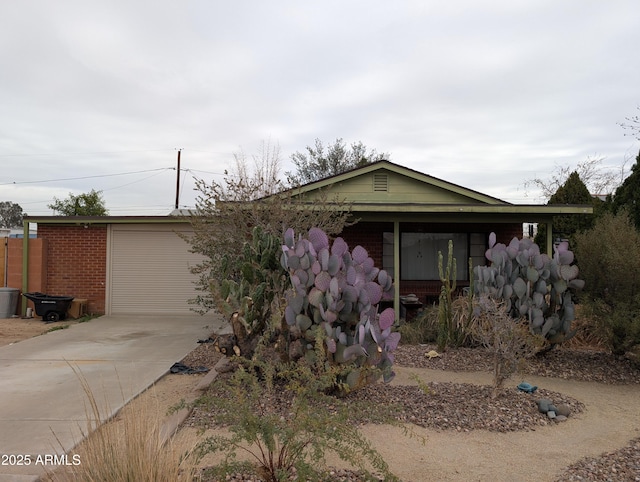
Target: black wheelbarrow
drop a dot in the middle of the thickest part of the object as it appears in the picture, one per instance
(51, 308)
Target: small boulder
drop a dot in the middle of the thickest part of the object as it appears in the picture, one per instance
(543, 405)
(551, 414)
(560, 418)
(563, 409)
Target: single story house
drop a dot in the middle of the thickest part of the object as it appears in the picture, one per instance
(138, 264)
(406, 217)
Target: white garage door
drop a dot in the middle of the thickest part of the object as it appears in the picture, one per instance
(149, 269)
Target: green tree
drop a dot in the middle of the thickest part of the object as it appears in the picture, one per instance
(318, 163)
(573, 191)
(627, 196)
(11, 214)
(86, 204)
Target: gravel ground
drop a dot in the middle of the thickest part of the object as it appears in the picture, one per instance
(582, 365)
(466, 407)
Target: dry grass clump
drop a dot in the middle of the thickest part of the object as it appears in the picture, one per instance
(423, 329)
(130, 447)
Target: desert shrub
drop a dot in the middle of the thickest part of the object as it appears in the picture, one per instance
(283, 443)
(590, 331)
(610, 265)
(609, 256)
(422, 329)
(508, 340)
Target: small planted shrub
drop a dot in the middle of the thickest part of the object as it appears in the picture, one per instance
(283, 422)
(338, 291)
(532, 285)
(422, 329)
(508, 340)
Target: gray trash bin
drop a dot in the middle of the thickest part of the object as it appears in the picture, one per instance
(8, 302)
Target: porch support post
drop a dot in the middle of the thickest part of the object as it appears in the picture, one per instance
(550, 238)
(396, 269)
(25, 265)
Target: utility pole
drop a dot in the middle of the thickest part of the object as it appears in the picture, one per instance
(178, 180)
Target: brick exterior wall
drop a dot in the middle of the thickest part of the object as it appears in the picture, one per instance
(77, 263)
(369, 236)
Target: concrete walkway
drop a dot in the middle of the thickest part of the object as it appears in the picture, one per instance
(43, 409)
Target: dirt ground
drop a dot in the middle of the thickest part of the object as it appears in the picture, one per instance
(610, 420)
(16, 329)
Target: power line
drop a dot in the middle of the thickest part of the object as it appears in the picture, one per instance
(133, 182)
(86, 177)
(83, 153)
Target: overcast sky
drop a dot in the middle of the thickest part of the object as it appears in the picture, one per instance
(485, 94)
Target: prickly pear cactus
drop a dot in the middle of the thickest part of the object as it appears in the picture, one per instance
(533, 285)
(339, 290)
(253, 280)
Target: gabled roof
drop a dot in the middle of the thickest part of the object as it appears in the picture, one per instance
(384, 182)
(384, 190)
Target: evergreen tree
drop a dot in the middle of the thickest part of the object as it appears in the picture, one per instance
(573, 191)
(628, 194)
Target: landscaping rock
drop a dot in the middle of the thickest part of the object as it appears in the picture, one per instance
(563, 409)
(551, 414)
(543, 405)
(560, 418)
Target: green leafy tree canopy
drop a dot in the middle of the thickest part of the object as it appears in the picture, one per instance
(573, 191)
(86, 204)
(319, 162)
(627, 196)
(11, 214)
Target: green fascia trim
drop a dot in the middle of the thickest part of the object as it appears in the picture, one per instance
(105, 220)
(472, 208)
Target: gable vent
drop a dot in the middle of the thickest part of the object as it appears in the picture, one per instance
(380, 183)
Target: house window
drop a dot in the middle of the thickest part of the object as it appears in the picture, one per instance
(419, 254)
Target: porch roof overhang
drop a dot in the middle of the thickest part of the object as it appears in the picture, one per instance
(104, 220)
(460, 213)
(524, 209)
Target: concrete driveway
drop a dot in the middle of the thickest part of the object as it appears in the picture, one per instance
(41, 398)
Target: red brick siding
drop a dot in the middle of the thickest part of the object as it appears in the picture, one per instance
(506, 232)
(369, 236)
(77, 263)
